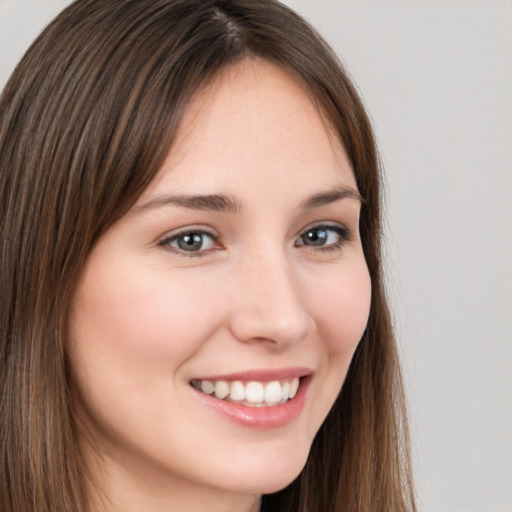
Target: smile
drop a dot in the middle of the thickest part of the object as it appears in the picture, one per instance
(250, 394)
(259, 399)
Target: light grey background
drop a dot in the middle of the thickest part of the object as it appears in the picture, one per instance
(437, 79)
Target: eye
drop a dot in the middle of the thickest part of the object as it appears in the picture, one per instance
(324, 237)
(193, 242)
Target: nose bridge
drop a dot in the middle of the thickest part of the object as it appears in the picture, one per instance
(269, 304)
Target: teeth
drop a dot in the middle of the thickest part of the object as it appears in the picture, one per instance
(221, 389)
(254, 394)
(237, 391)
(273, 392)
(285, 391)
(207, 387)
(294, 386)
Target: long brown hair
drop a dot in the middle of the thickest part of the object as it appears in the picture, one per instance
(85, 123)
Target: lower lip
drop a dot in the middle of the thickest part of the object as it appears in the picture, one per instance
(262, 418)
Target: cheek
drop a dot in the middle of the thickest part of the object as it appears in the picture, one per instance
(131, 331)
(342, 310)
(340, 307)
(341, 317)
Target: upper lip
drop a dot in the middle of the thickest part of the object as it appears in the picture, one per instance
(261, 375)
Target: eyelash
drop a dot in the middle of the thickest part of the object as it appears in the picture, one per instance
(343, 235)
(166, 242)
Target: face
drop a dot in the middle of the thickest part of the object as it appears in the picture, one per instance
(238, 275)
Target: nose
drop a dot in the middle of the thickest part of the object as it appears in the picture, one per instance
(268, 304)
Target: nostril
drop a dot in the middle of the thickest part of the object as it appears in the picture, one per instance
(256, 326)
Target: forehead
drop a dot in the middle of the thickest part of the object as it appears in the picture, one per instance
(254, 120)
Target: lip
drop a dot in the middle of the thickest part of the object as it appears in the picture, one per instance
(264, 375)
(262, 418)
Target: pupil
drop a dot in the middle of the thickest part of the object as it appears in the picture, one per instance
(191, 241)
(316, 236)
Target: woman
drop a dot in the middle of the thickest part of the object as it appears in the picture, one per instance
(193, 315)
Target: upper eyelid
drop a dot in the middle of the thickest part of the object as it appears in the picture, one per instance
(189, 229)
(343, 233)
(325, 224)
(164, 242)
(213, 233)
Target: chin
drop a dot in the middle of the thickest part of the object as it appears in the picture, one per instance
(267, 473)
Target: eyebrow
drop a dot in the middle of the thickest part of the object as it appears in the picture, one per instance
(330, 196)
(212, 203)
(224, 203)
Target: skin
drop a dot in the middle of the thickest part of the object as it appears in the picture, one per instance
(148, 317)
